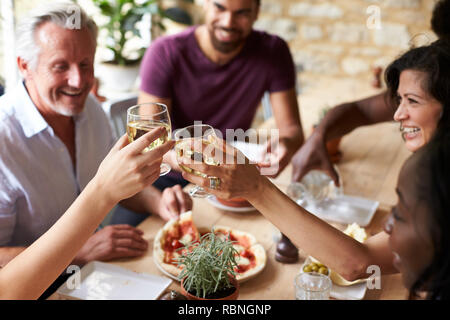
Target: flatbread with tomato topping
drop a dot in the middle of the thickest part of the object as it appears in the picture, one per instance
(251, 257)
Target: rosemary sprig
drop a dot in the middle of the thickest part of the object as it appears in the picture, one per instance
(208, 264)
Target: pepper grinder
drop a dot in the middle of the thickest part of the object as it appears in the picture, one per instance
(286, 251)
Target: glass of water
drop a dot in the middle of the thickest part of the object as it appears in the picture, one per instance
(315, 189)
(312, 286)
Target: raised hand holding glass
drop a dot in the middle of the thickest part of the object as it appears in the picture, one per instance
(145, 117)
(191, 143)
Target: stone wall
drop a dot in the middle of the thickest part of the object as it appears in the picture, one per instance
(346, 38)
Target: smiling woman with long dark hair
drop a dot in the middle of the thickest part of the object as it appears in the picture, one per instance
(419, 84)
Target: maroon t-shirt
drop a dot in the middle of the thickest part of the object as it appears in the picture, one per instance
(223, 96)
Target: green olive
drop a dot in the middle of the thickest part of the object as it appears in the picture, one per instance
(315, 268)
(323, 270)
(307, 268)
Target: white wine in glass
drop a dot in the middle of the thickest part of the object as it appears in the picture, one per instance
(191, 141)
(145, 117)
(185, 149)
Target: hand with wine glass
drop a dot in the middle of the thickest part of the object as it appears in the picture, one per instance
(192, 145)
(145, 117)
(233, 174)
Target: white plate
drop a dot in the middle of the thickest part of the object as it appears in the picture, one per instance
(353, 292)
(252, 151)
(102, 281)
(213, 200)
(176, 279)
(160, 268)
(346, 209)
(164, 271)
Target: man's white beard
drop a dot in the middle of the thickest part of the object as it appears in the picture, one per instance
(62, 110)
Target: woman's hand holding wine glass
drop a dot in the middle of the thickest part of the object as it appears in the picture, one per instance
(144, 117)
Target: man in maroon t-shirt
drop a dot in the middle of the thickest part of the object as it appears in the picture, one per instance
(218, 72)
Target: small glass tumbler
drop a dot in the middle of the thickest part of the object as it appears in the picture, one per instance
(315, 190)
(312, 286)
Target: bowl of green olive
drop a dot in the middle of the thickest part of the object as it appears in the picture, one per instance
(315, 267)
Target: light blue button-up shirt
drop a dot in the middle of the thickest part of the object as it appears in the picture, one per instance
(38, 181)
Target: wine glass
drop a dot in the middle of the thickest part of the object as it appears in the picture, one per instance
(145, 117)
(191, 141)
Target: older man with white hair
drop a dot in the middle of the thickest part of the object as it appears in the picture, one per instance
(53, 136)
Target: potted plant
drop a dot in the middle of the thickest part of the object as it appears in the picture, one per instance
(208, 269)
(123, 37)
(332, 145)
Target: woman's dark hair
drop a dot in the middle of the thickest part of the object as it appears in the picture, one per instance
(440, 19)
(434, 61)
(433, 186)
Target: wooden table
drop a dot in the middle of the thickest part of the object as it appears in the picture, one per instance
(372, 158)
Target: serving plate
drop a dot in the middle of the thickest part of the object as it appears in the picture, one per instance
(254, 152)
(345, 209)
(204, 230)
(103, 281)
(164, 271)
(355, 291)
(213, 200)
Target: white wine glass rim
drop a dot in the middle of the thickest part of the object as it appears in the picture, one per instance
(177, 132)
(135, 107)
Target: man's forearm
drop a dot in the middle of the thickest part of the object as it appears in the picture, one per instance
(343, 118)
(294, 135)
(9, 253)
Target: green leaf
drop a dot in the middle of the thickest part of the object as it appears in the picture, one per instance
(208, 266)
(178, 15)
(129, 22)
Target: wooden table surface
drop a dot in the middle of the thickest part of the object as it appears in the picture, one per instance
(372, 158)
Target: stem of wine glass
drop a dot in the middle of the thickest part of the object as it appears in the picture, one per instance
(198, 192)
(165, 169)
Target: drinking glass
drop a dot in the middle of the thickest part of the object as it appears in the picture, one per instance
(145, 117)
(312, 286)
(190, 144)
(315, 189)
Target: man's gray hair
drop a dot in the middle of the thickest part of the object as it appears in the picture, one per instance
(66, 14)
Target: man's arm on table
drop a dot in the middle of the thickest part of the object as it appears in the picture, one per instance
(287, 118)
(339, 121)
(345, 117)
(167, 204)
(103, 245)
